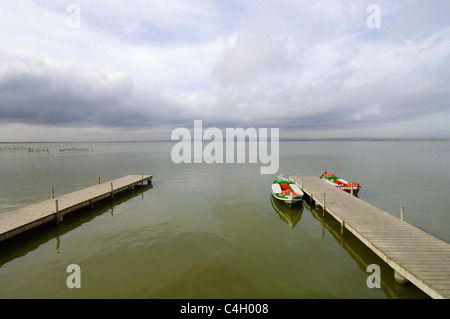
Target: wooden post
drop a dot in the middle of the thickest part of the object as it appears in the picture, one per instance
(142, 179)
(112, 193)
(399, 278)
(99, 179)
(92, 203)
(324, 205)
(57, 217)
(402, 213)
(53, 193)
(342, 227)
(351, 189)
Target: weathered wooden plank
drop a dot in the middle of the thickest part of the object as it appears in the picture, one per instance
(415, 254)
(17, 221)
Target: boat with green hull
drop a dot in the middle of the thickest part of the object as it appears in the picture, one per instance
(341, 183)
(286, 190)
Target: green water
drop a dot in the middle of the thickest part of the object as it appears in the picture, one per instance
(212, 230)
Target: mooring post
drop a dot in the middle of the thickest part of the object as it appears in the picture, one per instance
(402, 213)
(351, 189)
(53, 193)
(399, 278)
(324, 205)
(342, 227)
(57, 217)
(142, 179)
(99, 179)
(112, 191)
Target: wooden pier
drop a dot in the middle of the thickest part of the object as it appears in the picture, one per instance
(414, 254)
(20, 220)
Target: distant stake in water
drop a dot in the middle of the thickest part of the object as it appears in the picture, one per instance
(402, 213)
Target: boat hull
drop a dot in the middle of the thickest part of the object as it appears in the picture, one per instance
(286, 191)
(340, 183)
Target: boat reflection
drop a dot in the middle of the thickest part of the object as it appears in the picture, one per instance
(291, 216)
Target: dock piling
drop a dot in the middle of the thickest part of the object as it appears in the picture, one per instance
(399, 278)
(57, 216)
(402, 213)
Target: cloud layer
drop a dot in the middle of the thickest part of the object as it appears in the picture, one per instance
(297, 65)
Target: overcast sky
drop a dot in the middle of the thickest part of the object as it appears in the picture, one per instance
(136, 70)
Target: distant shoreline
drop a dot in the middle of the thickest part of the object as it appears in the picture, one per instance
(281, 140)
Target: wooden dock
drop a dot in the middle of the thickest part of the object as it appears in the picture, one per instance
(414, 254)
(20, 220)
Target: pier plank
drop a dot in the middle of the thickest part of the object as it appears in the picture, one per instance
(17, 221)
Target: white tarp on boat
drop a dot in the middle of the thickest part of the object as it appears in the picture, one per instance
(276, 188)
(296, 189)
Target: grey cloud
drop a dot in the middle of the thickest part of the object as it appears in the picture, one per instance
(34, 91)
(300, 66)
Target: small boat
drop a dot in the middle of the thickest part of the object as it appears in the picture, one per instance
(286, 191)
(343, 184)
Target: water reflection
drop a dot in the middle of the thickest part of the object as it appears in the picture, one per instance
(364, 257)
(291, 216)
(28, 241)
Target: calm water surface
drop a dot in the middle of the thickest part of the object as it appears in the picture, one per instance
(212, 230)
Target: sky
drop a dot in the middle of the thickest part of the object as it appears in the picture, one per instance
(136, 70)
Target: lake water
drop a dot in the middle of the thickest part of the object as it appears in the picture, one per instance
(212, 230)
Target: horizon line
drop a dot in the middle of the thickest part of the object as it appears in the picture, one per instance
(337, 139)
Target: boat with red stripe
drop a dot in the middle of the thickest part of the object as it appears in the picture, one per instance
(341, 183)
(286, 190)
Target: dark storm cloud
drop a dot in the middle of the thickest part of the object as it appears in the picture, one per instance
(34, 91)
(300, 66)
